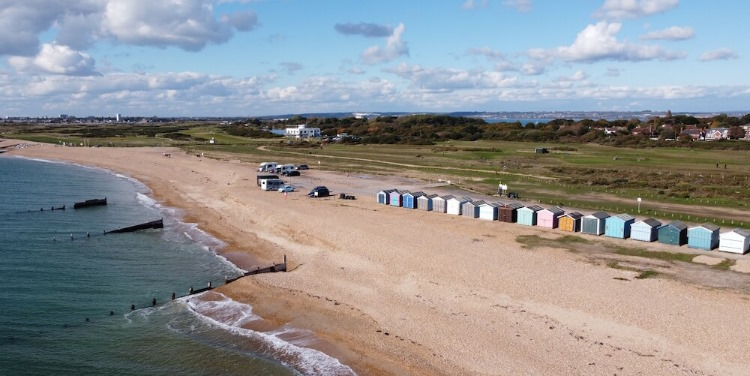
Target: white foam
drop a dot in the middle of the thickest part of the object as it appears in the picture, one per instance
(229, 315)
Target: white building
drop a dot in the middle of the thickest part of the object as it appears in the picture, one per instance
(302, 131)
(118, 118)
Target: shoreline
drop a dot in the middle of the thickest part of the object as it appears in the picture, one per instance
(492, 307)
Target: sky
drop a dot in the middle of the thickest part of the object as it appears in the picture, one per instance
(266, 57)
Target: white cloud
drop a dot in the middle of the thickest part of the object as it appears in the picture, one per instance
(575, 77)
(720, 54)
(187, 24)
(621, 9)
(672, 33)
(451, 79)
(599, 42)
(394, 48)
(520, 5)
(475, 4)
(55, 59)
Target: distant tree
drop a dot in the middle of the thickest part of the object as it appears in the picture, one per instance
(736, 133)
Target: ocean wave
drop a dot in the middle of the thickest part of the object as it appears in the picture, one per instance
(227, 314)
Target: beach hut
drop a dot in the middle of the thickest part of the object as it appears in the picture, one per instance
(674, 233)
(471, 209)
(454, 205)
(396, 198)
(549, 218)
(384, 196)
(425, 202)
(440, 203)
(571, 222)
(618, 226)
(508, 212)
(488, 211)
(735, 241)
(646, 230)
(527, 215)
(410, 199)
(594, 223)
(705, 236)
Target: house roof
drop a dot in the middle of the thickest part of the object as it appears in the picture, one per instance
(708, 226)
(598, 215)
(650, 222)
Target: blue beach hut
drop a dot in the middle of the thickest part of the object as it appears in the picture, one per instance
(646, 230)
(395, 198)
(674, 233)
(705, 236)
(527, 215)
(410, 199)
(618, 226)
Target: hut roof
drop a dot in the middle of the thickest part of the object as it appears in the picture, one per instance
(387, 191)
(494, 204)
(415, 194)
(429, 196)
(535, 208)
(513, 205)
(477, 203)
(651, 222)
(574, 215)
(460, 199)
(555, 210)
(677, 224)
(740, 232)
(444, 198)
(598, 215)
(625, 217)
(708, 226)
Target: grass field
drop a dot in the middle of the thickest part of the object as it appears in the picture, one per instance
(674, 183)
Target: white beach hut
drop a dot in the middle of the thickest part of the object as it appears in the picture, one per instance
(488, 211)
(454, 205)
(735, 241)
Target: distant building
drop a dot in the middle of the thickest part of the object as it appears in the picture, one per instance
(302, 131)
(118, 118)
(717, 134)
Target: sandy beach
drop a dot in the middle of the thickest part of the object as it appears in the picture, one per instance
(395, 291)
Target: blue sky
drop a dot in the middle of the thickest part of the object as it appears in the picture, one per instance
(264, 57)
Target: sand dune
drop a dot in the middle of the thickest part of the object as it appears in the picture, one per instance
(392, 290)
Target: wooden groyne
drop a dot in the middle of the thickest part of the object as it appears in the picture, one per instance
(159, 223)
(52, 208)
(89, 203)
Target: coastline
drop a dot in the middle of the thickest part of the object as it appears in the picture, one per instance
(458, 297)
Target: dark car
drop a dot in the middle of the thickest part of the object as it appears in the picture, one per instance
(302, 167)
(319, 191)
(290, 173)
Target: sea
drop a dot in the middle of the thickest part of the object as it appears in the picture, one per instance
(68, 289)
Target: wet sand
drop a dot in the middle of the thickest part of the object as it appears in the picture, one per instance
(396, 291)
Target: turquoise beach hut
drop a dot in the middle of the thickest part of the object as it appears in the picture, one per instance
(618, 226)
(396, 198)
(527, 215)
(705, 236)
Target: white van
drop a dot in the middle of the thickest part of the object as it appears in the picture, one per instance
(284, 168)
(267, 167)
(271, 184)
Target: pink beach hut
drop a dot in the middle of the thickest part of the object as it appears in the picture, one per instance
(549, 217)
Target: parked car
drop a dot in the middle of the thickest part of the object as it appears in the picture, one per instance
(287, 188)
(290, 173)
(303, 167)
(319, 191)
